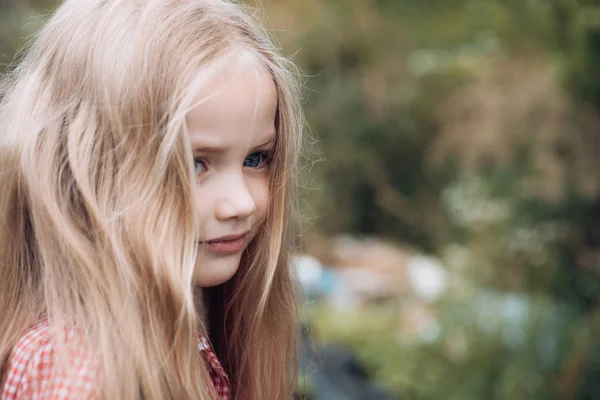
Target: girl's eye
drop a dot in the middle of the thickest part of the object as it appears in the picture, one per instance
(257, 160)
(199, 166)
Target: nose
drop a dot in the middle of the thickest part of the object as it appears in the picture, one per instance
(236, 201)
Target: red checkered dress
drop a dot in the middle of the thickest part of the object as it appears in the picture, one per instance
(31, 365)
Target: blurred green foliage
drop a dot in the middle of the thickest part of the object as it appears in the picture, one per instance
(468, 129)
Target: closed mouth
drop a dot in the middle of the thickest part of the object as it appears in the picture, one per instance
(228, 238)
(226, 244)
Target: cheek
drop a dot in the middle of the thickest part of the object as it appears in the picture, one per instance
(203, 201)
(259, 189)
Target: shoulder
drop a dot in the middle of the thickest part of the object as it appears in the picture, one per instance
(35, 371)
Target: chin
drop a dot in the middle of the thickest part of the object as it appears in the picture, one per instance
(215, 271)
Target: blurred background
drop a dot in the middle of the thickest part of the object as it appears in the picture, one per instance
(451, 248)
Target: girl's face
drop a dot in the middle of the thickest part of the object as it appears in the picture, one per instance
(232, 133)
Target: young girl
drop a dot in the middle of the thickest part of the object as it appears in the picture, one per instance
(147, 159)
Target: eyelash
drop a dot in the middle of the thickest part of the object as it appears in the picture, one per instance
(266, 159)
(199, 161)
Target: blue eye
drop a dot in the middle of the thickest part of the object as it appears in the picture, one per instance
(257, 160)
(199, 166)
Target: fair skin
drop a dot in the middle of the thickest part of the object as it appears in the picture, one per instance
(232, 134)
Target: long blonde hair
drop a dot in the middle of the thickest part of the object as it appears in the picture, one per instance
(96, 209)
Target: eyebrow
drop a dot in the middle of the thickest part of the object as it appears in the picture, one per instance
(200, 148)
(267, 142)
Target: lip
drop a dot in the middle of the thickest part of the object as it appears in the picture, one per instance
(226, 244)
(227, 238)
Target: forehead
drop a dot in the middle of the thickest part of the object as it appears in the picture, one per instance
(237, 103)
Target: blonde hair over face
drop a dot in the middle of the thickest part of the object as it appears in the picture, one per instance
(97, 211)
